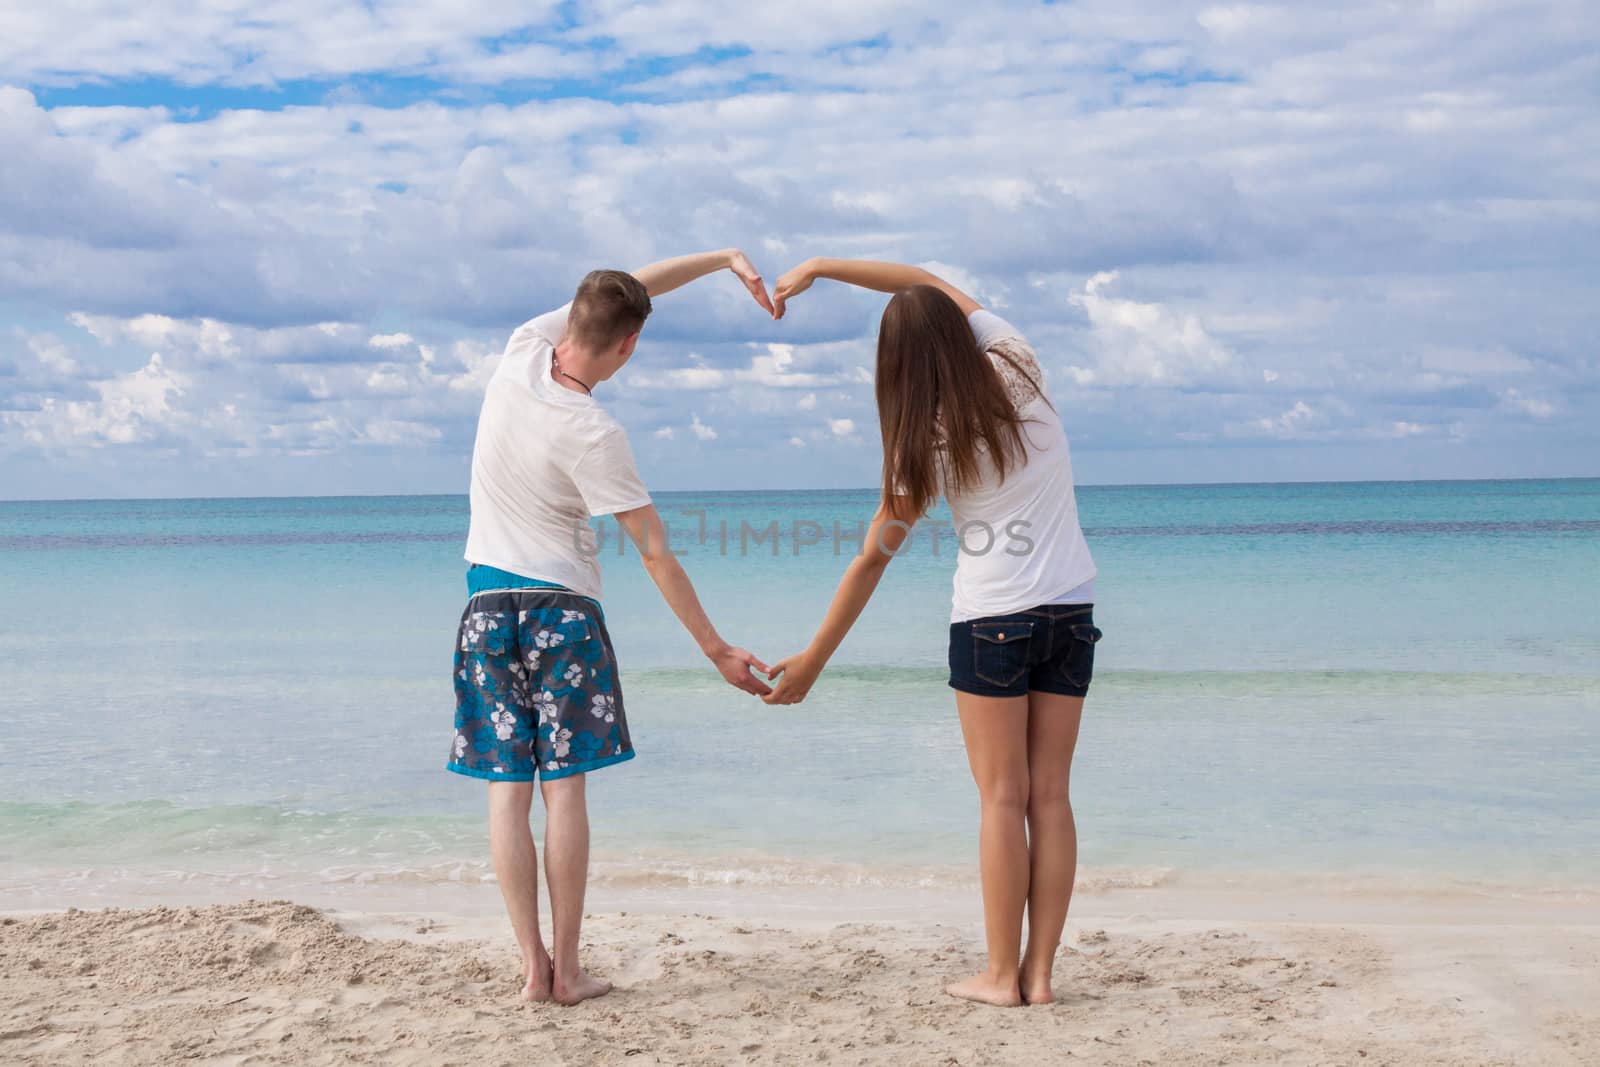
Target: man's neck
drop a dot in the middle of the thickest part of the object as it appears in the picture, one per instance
(573, 369)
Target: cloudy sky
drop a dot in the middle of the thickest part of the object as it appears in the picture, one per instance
(275, 248)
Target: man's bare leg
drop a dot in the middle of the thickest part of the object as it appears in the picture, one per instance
(516, 868)
(566, 868)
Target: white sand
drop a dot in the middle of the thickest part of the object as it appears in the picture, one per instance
(1158, 976)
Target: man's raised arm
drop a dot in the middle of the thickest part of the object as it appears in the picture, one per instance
(669, 274)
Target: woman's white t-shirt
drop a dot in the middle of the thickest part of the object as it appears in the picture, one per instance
(1020, 543)
(545, 460)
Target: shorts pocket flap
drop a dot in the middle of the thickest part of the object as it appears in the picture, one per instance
(554, 628)
(488, 631)
(1084, 631)
(1002, 633)
(575, 626)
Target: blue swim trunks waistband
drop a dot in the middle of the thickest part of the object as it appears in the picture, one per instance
(481, 578)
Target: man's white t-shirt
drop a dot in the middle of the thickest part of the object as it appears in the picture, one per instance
(1038, 554)
(546, 459)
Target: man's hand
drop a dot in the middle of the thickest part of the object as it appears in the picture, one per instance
(735, 665)
(796, 675)
(792, 284)
(666, 275)
(747, 273)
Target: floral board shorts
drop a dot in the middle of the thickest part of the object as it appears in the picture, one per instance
(537, 694)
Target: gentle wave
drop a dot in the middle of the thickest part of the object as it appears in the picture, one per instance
(148, 845)
(146, 829)
(663, 872)
(829, 882)
(1397, 683)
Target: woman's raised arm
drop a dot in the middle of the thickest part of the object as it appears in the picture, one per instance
(866, 273)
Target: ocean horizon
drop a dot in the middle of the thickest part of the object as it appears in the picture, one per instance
(824, 489)
(1391, 681)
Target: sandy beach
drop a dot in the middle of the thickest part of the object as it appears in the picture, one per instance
(1156, 976)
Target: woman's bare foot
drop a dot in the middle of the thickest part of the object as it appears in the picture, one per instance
(1037, 963)
(1037, 991)
(578, 987)
(540, 981)
(985, 988)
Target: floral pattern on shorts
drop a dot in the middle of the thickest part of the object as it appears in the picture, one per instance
(537, 693)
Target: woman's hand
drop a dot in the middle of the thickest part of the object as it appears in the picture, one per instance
(747, 273)
(793, 283)
(795, 676)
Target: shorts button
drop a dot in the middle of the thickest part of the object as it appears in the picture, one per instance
(1002, 637)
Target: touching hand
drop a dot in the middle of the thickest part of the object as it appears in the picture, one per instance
(795, 677)
(735, 665)
(792, 284)
(748, 274)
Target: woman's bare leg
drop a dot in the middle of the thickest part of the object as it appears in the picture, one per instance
(996, 733)
(1053, 722)
(516, 868)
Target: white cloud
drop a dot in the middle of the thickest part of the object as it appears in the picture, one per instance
(218, 40)
(130, 408)
(1335, 421)
(1473, 362)
(399, 432)
(53, 355)
(1145, 343)
(389, 379)
(701, 430)
(479, 360)
(1514, 400)
(1290, 423)
(841, 427)
(205, 340)
(991, 296)
(204, 337)
(664, 433)
(774, 368)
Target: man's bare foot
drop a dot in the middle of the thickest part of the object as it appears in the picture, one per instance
(540, 981)
(987, 989)
(579, 987)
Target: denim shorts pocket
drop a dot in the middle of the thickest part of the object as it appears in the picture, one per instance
(1078, 664)
(1000, 651)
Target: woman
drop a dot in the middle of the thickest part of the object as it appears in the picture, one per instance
(964, 414)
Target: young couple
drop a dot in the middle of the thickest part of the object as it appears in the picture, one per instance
(964, 415)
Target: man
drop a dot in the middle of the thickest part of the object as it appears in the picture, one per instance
(537, 692)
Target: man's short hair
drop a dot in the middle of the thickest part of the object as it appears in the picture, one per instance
(609, 305)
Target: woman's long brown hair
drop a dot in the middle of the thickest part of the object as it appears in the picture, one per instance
(941, 404)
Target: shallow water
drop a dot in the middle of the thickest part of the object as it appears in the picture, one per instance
(1396, 679)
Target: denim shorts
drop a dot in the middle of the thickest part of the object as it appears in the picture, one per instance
(1047, 649)
(537, 693)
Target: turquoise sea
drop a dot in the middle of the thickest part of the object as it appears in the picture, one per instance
(1399, 680)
